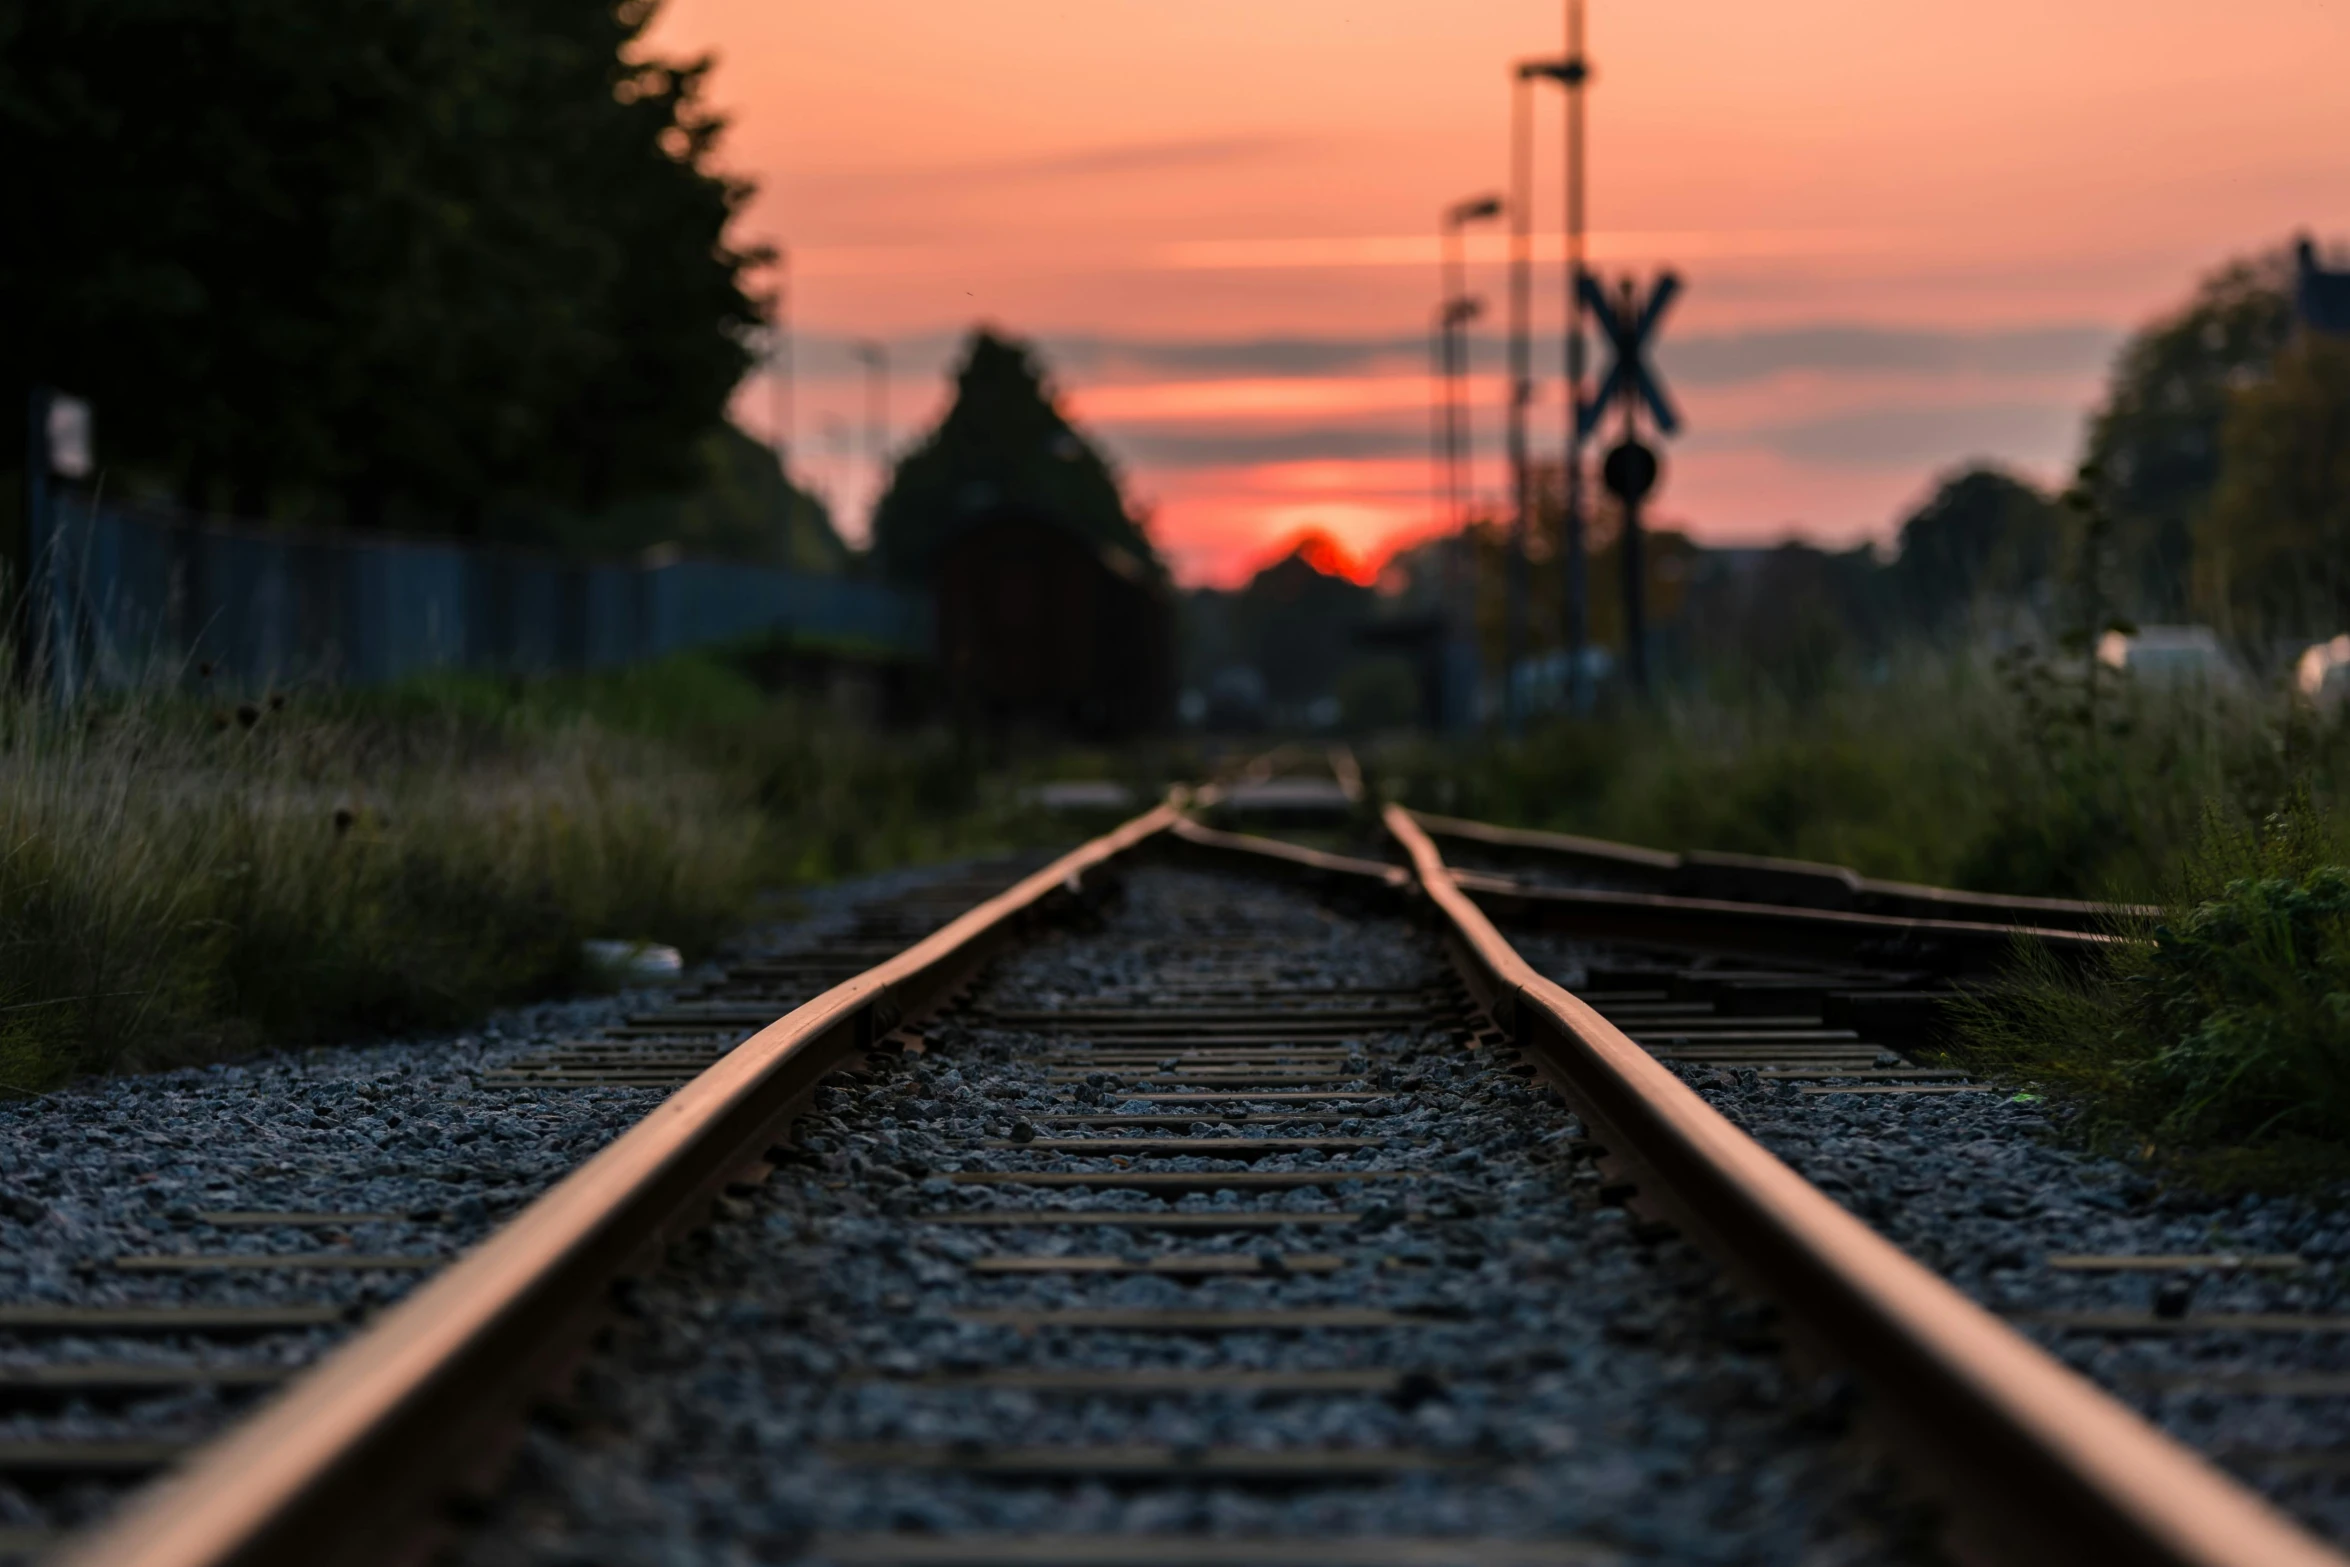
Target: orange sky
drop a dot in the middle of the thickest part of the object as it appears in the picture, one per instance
(1911, 234)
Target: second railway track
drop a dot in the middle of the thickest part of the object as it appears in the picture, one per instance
(1277, 1211)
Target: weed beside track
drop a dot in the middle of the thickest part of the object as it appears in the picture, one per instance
(183, 879)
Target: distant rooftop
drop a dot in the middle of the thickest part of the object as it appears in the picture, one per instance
(2321, 298)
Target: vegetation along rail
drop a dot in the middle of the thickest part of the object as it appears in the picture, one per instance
(1203, 1198)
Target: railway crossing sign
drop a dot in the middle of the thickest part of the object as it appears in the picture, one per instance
(1629, 325)
(1631, 468)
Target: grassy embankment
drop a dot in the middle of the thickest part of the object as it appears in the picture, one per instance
(2217, 1038)
(185, 880)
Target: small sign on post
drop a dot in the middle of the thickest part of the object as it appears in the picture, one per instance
(59, 446)
(1631, 468)
(68, 432)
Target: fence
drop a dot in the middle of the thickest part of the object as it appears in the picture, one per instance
(128, 593)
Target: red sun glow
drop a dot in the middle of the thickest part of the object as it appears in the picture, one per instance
(1326, 555)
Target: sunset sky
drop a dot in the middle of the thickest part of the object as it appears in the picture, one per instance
(1910, 234)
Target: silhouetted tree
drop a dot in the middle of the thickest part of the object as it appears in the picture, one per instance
(1297, 619)
(1002, 448)
(1984, 537)
(735, 505)
(2156, 442)
(2273, 549)
(1786, 619)
(405, 253)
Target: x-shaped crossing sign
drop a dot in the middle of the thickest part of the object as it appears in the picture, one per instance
(1629, 325)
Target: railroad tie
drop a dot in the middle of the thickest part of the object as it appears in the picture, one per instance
(1185, 1147)
(1215, 1264)
(205, 1321)
(1291, 1319)
(1158, 1381)
(66, 1459)
(99, 1379)
(268, 1262)
(2148, 1324)
(1130, 1550)
(1174, 1180)
(1276, 1465)
(2215, 1262)
(1170, 1219)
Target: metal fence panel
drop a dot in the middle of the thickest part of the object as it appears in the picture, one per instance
(145, 594)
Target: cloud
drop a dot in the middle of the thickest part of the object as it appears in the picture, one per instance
(1188, 152)
(1730, 358)
(1702, 359)
(1828, 398)
(1270, 356)
(2033, 433)
(1237, 448)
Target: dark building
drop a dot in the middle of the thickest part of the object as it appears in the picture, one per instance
(1040, 629)
(2321, 298)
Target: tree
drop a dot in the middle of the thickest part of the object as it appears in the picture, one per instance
(401, 256)
(1298, 618)
(1002, 448)
(2156, 442)
(736, 505)
(1787, 619)
(2273, 550)
(1984, 537)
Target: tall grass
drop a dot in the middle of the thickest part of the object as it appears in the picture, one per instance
(2215, 1034)
(1954, 771)
(182, 881)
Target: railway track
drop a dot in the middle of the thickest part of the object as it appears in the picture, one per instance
(1277, 1210)
(224, 1272)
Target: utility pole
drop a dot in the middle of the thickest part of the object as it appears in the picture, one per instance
(1521, 382)
(30, 587)
(1455, 457)
(1459, 309)
(779, 387)
(1439, 390)
(1569, 70)
(875, 358)
(1631, 468)
(57, 446)
(1573, 552)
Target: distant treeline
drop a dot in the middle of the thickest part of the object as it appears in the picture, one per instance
(448, 265)
(2215, 487)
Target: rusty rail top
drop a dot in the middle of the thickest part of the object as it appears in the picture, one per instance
(2040, 1465)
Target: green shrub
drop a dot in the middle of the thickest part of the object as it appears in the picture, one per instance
(2248, 1000)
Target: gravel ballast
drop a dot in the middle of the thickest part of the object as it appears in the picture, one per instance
(807, 1377)
(401, 1144)
(1992, 1191)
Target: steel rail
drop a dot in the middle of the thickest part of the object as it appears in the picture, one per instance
(1805, 883)
(1947, 946)
(1315, 864)
(2035, 1464)
(341, 1467)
